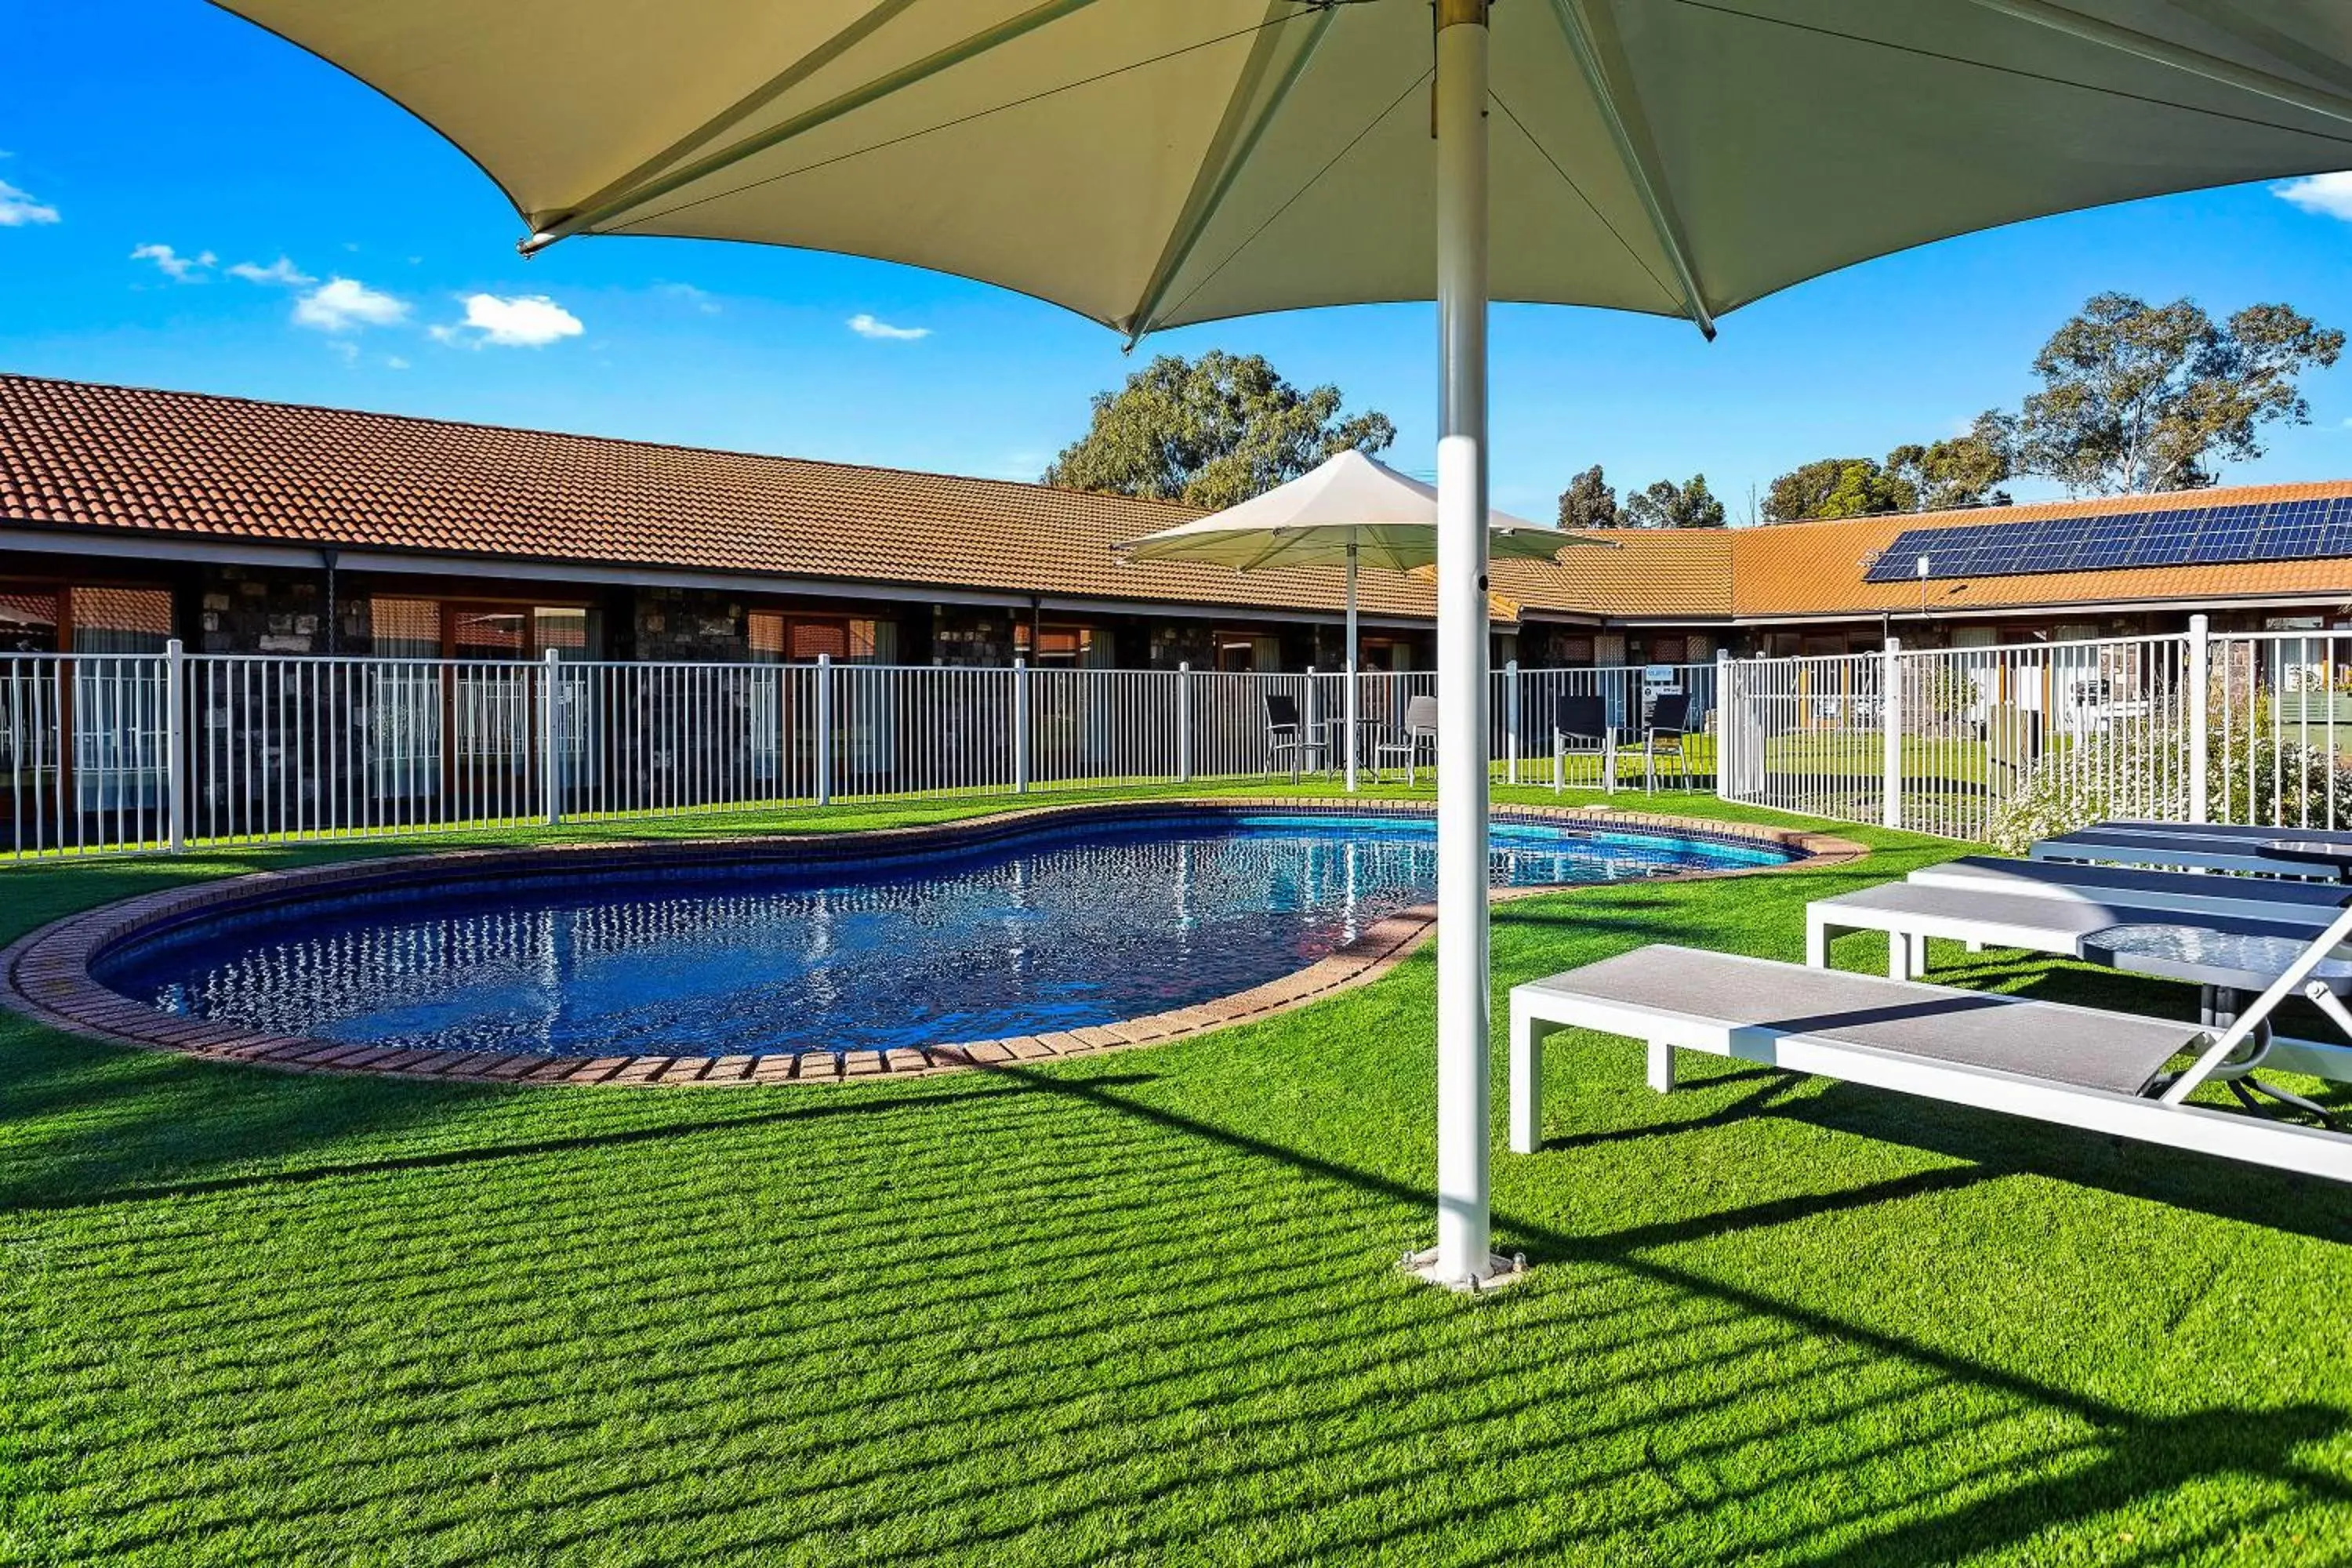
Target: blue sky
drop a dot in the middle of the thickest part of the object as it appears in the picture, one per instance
(152, 123)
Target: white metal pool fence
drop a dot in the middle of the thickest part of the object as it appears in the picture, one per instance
(2010, 743)
(128, 752)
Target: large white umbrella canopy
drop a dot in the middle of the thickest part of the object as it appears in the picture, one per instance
(1348, 510)
(1149, 164)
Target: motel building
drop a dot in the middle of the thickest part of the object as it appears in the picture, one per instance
(130, 517)
(398, 622)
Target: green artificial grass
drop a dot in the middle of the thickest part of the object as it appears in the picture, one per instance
(1142, 1308)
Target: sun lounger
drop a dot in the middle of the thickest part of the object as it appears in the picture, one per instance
(2181, 849)
(1911, 913)
(2073, 1067)
(2124, 887)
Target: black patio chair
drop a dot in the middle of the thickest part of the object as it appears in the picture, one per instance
(1666, 734)
(1581, 724)
(1285, 735)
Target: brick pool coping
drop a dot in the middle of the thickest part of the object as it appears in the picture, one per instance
(46, 976)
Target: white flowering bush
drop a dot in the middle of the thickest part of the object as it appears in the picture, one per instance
(2090, 778)
(2256, 777)
(2250, 775)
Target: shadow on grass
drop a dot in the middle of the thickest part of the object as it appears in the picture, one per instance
(2143, 1457)
(809, 1107)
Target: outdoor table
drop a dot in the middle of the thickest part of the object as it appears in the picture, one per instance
(2227, 967)
(1368, 730)
(2310, 852)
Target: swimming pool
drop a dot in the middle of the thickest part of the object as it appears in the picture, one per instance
(1050, 927)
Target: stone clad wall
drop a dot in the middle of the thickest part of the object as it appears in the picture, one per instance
(691, 625)
(251, 610)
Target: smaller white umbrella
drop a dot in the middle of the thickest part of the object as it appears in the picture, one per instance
(1347, 510)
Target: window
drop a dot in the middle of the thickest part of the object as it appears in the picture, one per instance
(122, 620)
(431, 628)
(766, 638)
(404, 628)
(779, 638)
(564, 629)
(811, 640)
(1245, 651)
(28, 621)
(488, 633)
(1058, 645)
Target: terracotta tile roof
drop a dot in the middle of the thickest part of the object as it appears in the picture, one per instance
(1815, 569)
(1630, 572)
(170, 463)
(191, 464)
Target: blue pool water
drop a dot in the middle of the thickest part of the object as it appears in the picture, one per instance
(1055, 929)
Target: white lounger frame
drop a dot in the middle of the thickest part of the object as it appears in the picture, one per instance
(1537, 1013)
(1907, 934)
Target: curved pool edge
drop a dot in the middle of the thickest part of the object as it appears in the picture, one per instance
(46, 975)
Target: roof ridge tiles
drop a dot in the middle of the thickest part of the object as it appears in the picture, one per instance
(638, 444)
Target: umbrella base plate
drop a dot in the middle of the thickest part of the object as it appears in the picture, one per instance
(1500, 1272)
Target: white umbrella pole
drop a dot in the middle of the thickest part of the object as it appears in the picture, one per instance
(1463, 1008)
(1348, 703)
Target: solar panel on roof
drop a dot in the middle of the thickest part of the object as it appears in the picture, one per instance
(2235, 534)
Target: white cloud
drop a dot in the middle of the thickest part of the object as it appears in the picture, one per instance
(867, 326)
(179, 268)
(394, 361)
(341, 304)
(2329, 196)
(687, 294)
(281, 271)
(525, 321)
(344, 350)
(19, 210)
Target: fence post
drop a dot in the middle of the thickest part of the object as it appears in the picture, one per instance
(824, 728)
(1184, 721)
(1511, 722)
(2201, 673)
(1020, 726)
(1724, 750)
(1311, 713)
(176, 746)
(1890, 720)
(551, 789)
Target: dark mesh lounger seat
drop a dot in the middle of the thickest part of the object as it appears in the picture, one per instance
(2180, 892)
(2181, 849)
(2002, 918)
